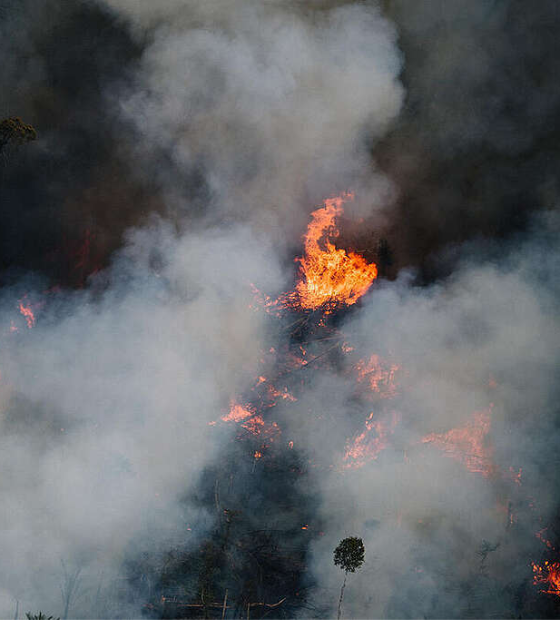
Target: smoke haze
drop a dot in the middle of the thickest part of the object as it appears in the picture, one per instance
(181, 148)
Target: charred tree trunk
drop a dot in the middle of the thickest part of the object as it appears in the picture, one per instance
(341, 595)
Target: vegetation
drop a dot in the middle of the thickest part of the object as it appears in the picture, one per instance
(349, 555)
(14, 131)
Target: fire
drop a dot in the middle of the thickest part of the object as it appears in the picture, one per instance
(515, 475)
(548, 575)
(364, 448)
(237, 413)
(275, 394)
(258, 454)
(467, 444)
(541, 537)
(330, 276)
(27, 313)
(254, 425)
(378, 374)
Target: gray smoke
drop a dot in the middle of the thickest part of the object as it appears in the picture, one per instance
(276, 105)
(106, 404)
(423, 516)
(232, 121)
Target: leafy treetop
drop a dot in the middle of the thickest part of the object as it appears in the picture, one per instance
(349, 554)
(14, 130)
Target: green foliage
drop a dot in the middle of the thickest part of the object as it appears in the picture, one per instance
(349, 554)
(14, 130)
(39, 616)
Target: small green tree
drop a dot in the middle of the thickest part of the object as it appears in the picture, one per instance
(349, 555)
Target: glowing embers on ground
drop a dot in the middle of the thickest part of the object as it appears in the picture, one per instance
(248, 418)
(238, 413)
(28, 310)
(468, 443)
(367, 445)
(328, 276)
(547, 575)
(541, 536)
(378, 374)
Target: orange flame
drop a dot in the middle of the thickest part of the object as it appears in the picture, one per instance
(540, 536)
(330, 276)
(275, 394)
(467, 444)
(27, 313)
(237, 413)
(548, 575)
(363, 447)
(378, 374)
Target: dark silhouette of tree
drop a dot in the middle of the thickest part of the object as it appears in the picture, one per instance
(14, 131)
(384, 257)
(483, 551)
(349, 555)
(39, 616)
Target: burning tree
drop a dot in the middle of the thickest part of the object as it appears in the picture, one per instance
(349, 555)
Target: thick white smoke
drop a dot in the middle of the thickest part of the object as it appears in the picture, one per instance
(106, 402)
(488, 335)
(276, 104)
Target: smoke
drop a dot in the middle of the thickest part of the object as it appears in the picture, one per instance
(274, 106)
(106, 405)
(424, 517)
(182, 146)
(475, 151)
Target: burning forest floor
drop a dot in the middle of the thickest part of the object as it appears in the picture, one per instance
(323, 409)
(279, 279)
(261, 523)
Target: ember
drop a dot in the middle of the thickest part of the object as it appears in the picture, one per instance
(237, 413)
(365, 448)
(378, 374)
(27, 312)
(547, 575)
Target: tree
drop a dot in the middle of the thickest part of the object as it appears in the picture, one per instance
(14, 130)
(483, 551)
(349, 555)
(39, 616)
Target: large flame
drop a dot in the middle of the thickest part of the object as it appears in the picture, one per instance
(467, 444)
(547, 575)
(330, 276)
